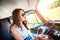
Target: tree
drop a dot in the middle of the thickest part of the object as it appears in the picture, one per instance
(55, 4)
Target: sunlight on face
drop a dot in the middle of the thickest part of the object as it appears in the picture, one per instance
(22, 18)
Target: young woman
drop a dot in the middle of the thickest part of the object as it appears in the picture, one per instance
(19, 27)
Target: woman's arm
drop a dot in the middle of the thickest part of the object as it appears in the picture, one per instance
(15, 33)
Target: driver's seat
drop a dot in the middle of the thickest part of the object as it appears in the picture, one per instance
(4, 29)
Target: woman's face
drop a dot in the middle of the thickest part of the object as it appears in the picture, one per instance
(21, 17)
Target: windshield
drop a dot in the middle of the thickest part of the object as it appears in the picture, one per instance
(50, 9)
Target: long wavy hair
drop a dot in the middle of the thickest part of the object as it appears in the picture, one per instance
(16, 19)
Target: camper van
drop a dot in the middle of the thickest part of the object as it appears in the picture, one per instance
(43, 16)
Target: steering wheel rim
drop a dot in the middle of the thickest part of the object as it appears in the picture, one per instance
(44, 30)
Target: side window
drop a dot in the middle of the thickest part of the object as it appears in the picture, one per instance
(33, 19)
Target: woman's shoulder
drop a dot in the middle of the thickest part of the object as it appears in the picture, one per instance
(14, 26)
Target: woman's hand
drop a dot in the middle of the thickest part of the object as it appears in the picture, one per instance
(42, 37)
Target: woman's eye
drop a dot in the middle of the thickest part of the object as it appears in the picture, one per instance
(23, 14)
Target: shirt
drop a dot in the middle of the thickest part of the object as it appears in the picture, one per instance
(23, 33)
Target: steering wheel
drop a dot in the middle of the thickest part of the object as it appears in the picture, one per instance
(45, 29)
(42, 30)
(50, 31)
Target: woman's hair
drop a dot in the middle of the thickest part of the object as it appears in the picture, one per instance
(16, 19)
